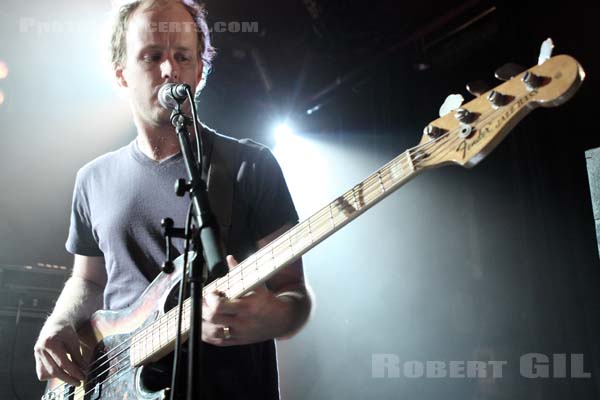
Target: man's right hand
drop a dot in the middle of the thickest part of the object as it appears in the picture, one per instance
(57, 354)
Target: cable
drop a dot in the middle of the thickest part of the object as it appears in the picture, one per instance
(177, 350)
(199, 143)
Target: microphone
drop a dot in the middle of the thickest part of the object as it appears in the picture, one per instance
(170, 95)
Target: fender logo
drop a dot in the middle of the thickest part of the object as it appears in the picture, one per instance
(494, 125)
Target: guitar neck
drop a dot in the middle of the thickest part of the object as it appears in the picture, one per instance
(157, 339)
(307, 234)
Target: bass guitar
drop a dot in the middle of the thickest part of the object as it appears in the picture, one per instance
(124, 348)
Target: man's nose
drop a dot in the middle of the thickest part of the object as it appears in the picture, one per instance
(169, 70)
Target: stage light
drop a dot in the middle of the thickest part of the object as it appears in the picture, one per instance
(3, 70)
(1, 97)
(313, 110)
(283, 132)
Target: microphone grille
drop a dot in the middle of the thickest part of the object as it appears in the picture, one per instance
(165, 96)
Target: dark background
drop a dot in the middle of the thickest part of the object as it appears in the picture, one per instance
(483, 264)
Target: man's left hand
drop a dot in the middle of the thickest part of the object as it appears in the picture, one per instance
(258, 316)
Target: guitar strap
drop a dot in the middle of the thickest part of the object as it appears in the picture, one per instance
(218, 171)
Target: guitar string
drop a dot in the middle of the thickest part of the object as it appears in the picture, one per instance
(384, 173)
(371, 188)
(372, 177)
(120, 369)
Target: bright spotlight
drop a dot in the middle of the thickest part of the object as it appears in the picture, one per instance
(1, 97)
(283, 132)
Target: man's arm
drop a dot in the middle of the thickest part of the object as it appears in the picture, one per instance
(81, 296)
(290, 287)
(277, 310)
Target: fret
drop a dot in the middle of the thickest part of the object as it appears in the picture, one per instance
(249, 275)
(396, 169)
(356, 203)
(386, 174)
(285, 256)
(222, 284)
(161, 335)
(380, 181)
(273, 258)
(331, 216)
(242, 278)
(237, 287)
(264, 261)
(149, 341)
(344, 209)
(371, 189)
(290, 246)
(185, 317)
(133, 352)
(258, 275)
(320, 225)
(301, 238)
(256, 265)
(154, 339)
(228, 282)
(409, 159)
(279, 255)
(252, 275)
(145, 352)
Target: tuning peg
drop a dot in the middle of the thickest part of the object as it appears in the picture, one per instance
(451, 103)
(532, 81)
(477, 88)
(498, 99)
(465, 116)
(508, 71)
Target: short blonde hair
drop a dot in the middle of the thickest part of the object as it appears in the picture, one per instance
(125, 9)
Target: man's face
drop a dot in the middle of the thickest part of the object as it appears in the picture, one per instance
(161, 48)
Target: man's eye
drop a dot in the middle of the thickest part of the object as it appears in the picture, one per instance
(152, 57)
(182, 58)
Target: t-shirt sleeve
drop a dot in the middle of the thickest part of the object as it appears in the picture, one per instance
(273, 206)
(81, 238)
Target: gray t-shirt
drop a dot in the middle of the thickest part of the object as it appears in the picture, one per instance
(119, 200)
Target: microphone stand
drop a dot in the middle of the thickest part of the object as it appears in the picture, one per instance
(205, 243)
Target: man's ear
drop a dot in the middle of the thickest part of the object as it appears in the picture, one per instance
(119, 74)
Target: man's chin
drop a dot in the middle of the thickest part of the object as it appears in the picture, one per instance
(163, 117)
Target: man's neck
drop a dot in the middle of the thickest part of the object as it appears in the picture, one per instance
(157, 143)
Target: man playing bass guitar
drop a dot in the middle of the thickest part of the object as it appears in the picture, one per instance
(120, 198)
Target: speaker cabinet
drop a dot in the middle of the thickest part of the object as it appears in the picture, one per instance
(593, 167)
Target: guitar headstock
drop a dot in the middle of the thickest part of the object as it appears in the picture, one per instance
(466, 135)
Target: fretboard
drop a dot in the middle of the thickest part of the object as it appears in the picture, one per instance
(158, 338)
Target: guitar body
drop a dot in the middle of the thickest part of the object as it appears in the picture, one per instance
(105, 343)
